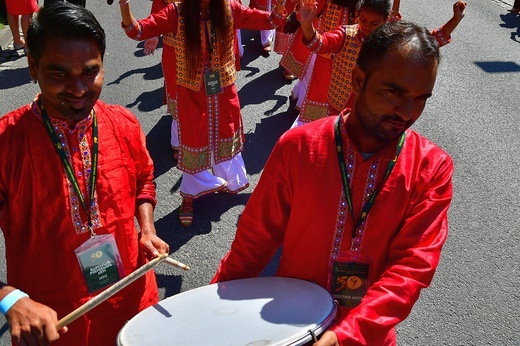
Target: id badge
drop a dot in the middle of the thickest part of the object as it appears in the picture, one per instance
(349, 280)
(100, 262)
(212, 83)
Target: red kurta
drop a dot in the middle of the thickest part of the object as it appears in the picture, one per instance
(299, 204)
(216, 116)
(37, 209)
(19, 7)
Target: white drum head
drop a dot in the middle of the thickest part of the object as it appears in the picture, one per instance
(252, 312)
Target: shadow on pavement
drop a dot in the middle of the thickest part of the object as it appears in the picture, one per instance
(263, 88)
(171, 283)
(512, 21)
(207, 209)
(13, 78)
(158, 144)
(149, 100)
(149, 73)
(260, 142)
(252, 46)
(4, 329)
(498, 66)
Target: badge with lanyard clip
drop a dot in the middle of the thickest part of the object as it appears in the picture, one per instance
(212, 82)
(100, 261)
(348, 279)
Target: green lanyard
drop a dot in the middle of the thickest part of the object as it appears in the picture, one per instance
(68, 167)
(344, 176)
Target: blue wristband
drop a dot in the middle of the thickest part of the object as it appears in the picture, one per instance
(9, 300)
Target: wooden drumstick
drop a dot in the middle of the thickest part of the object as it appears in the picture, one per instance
(175, 263)
(118, 286)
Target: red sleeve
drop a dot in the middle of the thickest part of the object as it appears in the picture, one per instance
(132, 134)
(412, 260)
(157, 6)
(262, 224)
(145, 185)
(253, 19)
(163, 22)
(328, 42)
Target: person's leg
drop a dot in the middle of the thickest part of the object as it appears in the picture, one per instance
(26, 20)
(299, 91)
(516, 6)
(13, 21)
(193, 186)
(233, 172)
(267, 38)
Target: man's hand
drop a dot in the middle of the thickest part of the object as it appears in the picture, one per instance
(328, 338)
(152, 245)
(33, 323)
(149, 242)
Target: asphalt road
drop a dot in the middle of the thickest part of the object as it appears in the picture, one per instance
(474, 115)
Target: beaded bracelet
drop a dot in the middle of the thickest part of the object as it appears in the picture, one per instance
(9, 300)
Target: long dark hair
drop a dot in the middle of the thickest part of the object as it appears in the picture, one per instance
(219, 23)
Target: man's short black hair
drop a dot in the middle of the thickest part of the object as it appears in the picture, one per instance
(393, 36)
(63, 20)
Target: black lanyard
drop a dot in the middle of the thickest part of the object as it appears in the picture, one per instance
(68, 167)
(344, 176)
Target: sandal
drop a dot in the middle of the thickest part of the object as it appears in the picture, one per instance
(293, 97)
(186, 212)
(223, 190)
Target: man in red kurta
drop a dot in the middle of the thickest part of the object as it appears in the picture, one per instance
(47, 211)
(360, 195)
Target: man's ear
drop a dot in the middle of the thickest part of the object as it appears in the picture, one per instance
(358, 79)
(33, 67)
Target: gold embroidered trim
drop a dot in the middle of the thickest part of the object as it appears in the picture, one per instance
(314, 111)
(341, 73)
(222, 60)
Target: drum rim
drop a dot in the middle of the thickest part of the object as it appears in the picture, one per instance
(302, 339)
(319, 329)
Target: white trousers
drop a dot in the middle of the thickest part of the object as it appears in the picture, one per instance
(299, 90)
(267, 36)
(230, 174)
(174, 141)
